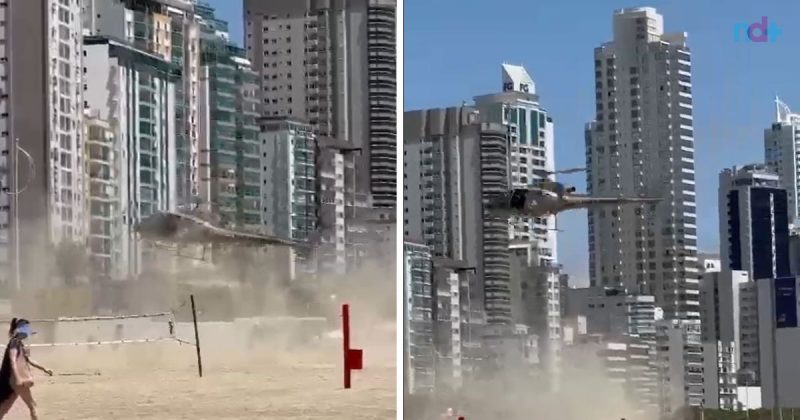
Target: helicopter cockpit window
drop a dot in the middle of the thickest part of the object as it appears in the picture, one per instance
(518, 198)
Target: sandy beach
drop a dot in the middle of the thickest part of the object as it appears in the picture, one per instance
(160, 381)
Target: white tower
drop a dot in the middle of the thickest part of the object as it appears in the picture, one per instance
(641, 144)
(781, 143)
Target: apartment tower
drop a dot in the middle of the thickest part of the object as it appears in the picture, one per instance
(531, 153)
(332, 62)
(43, 100)
(134, 93)
(169, 29)
(418, 323)
(641, 144)
(753, 222)
(443, 195)
(781, 145)
(230, 165)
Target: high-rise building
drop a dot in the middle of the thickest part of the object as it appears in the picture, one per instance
(335, 197)
(457, 341)
(418, 326)
(794, 250)
(7, 234)
(536, 303)
(719, 375)
(720, 301)
(720, 311)
(641, 144)
(102, 195)
(563, 289)
(169, 29)
(626, 323)
(443, 197)
(332, 62)
(753, 222)
(229, 158)
(43, 97)
(781, 145)
(614, 313)
(134, 92)
(680, 364)
(531, 152)
(629, 362)
(779, 341)
(749, 369)
(754, 244)
(288, 187)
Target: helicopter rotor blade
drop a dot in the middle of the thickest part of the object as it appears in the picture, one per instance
(564, 171)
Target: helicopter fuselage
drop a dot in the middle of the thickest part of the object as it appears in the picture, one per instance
(525, 202)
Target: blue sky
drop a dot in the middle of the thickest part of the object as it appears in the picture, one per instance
(230, 10)
(454, 48)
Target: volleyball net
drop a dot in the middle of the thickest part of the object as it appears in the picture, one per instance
(104, 330)
(114, 331)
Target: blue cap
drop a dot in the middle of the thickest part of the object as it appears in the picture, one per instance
(25, 329)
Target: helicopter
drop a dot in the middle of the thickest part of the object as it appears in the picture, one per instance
(547, 197)
(181, 229)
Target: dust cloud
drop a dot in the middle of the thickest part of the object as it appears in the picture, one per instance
(581, 391)
(271, 347)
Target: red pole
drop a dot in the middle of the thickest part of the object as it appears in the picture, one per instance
(346, 335)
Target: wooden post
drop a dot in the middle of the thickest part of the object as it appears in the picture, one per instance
(346, 342)
(196, 338)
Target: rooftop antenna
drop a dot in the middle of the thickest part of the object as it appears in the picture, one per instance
(782, 112)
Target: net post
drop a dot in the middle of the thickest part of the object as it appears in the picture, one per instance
(196, 338)
(346, 343)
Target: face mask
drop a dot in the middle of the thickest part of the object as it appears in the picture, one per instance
(25, 330)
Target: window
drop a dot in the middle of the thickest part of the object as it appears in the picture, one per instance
(63, 15)
(65, 105)
(64, 70)
(63, 50)
(66, 162)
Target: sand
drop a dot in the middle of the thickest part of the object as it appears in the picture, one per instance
(160, 381)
